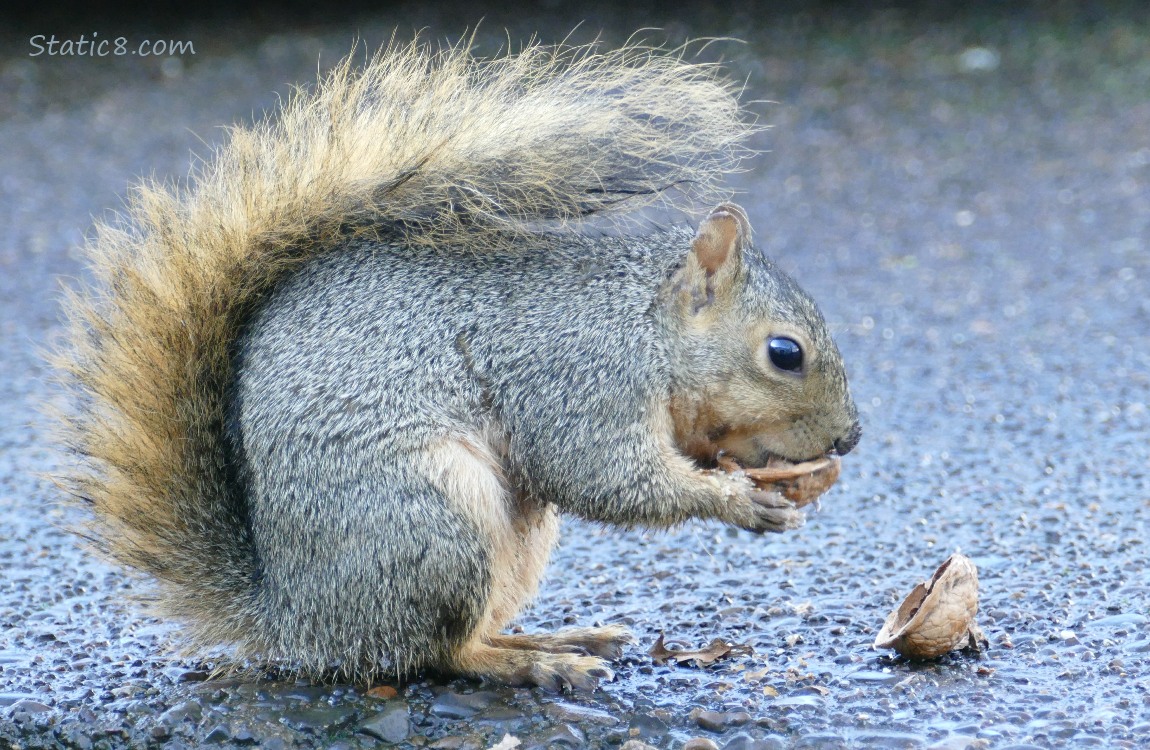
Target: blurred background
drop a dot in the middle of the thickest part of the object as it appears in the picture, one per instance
(964, 187)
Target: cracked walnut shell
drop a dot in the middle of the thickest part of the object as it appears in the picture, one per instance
(938, 616)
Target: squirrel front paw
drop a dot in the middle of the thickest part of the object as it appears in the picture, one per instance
(773, 512)
(741, 504)
(761, 511)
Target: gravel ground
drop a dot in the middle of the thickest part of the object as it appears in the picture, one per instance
(968, 195)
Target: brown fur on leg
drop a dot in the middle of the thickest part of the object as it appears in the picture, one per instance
(533, 532)
(520, 534)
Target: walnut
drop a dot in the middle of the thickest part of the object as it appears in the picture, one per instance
(938, 616)
(801, 483)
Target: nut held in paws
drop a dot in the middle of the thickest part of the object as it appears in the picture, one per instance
(801, 483)
(938, 616)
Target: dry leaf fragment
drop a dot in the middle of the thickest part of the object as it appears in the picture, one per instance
(757, 675)
(938, 616)
(715, 650)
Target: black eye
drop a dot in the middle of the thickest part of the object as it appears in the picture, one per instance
(785, 354)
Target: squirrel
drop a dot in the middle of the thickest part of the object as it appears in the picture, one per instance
(333, 393)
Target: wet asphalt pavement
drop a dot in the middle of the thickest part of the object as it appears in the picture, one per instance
(968, 196)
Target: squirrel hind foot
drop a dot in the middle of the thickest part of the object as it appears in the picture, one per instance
(556, 672)
(605, 642)
(565, 673)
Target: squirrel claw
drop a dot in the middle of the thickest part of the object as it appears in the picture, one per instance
(773, 512)
(566, 673)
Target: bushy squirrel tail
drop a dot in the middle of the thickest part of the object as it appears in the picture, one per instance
(420, 146)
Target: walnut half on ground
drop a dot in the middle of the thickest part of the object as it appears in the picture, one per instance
(801, 483)
(938, 616)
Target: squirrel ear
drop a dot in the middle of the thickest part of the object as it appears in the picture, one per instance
(716, 259)
(720, 238)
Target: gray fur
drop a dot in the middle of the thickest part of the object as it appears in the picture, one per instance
(368, 356)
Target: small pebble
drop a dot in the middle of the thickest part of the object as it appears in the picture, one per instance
(462, 706)
(700, 743)
(574, 712)
(718, 721)
(637, 745)
(383, 692)
(392, 724)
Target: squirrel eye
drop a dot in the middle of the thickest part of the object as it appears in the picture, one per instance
(785, 354)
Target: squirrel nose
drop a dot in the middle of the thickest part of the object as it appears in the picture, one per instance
(846, 443)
